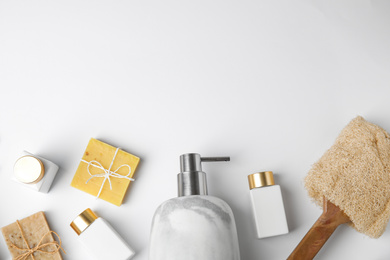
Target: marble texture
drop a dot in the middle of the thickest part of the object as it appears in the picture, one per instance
(192, 228)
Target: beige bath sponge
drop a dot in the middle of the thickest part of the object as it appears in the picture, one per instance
(354, 174)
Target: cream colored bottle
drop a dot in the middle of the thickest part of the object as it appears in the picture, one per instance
(267, 205)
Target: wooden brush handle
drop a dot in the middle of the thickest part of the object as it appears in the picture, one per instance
(324, 227)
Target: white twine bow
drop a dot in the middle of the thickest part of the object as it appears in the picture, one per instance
(107, 172)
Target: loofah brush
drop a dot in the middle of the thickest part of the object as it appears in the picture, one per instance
(352, 182)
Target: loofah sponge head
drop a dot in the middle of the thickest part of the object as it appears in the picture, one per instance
(354, 174)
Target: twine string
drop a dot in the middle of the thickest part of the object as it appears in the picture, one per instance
(38, 248)
(107, 173)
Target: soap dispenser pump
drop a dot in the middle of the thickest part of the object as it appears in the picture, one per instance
(194, 225)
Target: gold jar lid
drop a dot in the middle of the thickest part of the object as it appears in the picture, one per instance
(29, 169)
(261, 179)
(83, 221)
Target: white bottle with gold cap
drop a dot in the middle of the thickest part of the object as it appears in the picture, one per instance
(34, 172)
(99, 238)
(267, 204)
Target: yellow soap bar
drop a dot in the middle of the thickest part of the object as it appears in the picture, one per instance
(35, 229)
(102, 154)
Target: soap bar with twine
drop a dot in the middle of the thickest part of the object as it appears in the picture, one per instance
(105, 172)
(31, 238)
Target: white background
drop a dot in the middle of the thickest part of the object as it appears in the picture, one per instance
(269, 83)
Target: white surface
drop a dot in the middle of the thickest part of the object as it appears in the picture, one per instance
(102, 242)
(270, 83)
(268, 211)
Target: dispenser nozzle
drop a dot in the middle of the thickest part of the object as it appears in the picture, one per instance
(191, 179)
(215, 159)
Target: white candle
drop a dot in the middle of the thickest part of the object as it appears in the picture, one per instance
(34, 172)
(29, 169)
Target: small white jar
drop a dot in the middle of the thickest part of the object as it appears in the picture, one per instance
(267, 205)
(34, 172)
(99, 238)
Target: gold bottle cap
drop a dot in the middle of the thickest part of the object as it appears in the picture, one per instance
(29, 169)
(261, 179)
(83, 221)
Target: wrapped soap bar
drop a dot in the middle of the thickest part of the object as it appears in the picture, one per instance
(105, 172)
(31, 238)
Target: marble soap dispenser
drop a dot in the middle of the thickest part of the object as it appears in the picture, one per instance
(194, 225)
